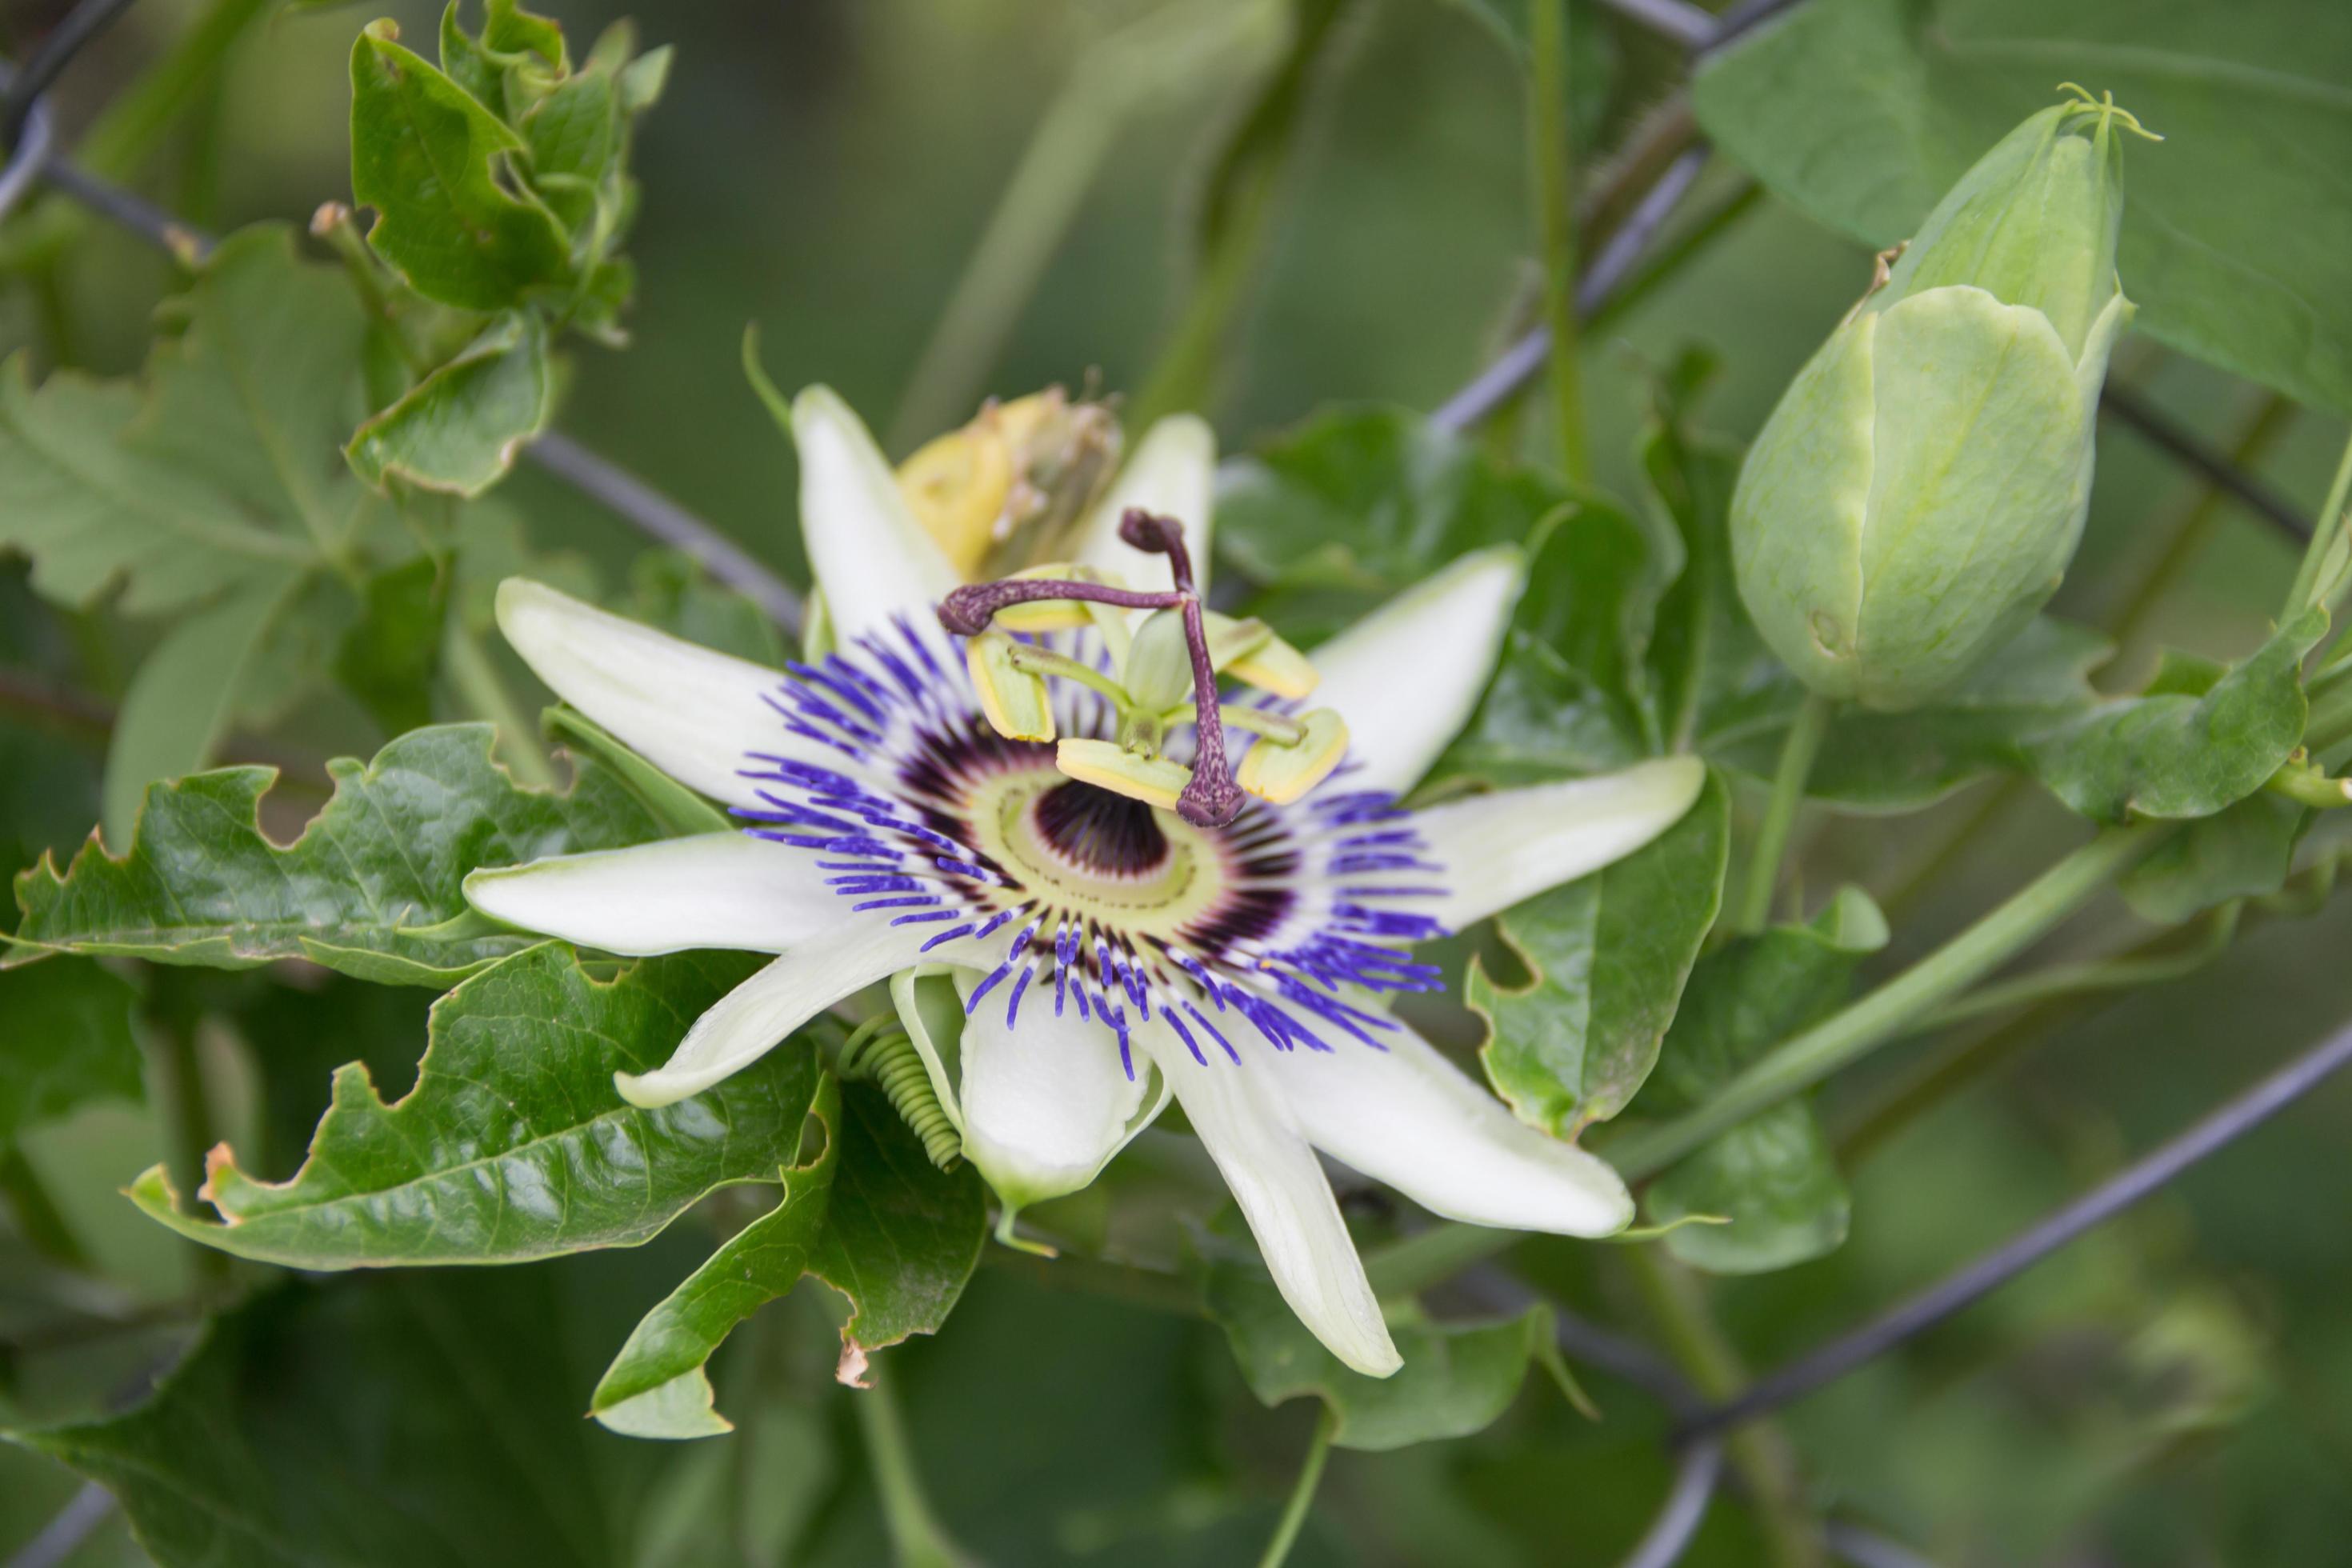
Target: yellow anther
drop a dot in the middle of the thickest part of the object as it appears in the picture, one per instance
(1155, 781)
(1275, 666)
(1017, 704)
(1281, 774)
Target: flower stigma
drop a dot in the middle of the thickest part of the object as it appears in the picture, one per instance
(1166, 671)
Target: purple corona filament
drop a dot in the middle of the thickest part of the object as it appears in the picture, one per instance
(1322, 900)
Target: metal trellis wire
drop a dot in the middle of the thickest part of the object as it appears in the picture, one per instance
(1698, 1427)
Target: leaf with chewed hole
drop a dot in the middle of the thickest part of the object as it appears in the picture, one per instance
(374, 887)
(514, 1144)
(902, 1235)
(658, 1387)
(1456, 1378)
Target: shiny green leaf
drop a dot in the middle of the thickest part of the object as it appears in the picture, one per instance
(389, 657)
(902, 1235)
(656, 1387)
(382, 1421)
(1772, 1176)
(1860, 112)
(426, 155)
(1606, 956)
(373, 888)
(1869, 761)
(2178, 753)
(514, 1144)
(1456, 1378)
(2241, 851)
(213, 474)
(177, 708)
(460, 428)
(65, 1040)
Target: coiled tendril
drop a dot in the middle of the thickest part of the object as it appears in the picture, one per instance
(880, 1053)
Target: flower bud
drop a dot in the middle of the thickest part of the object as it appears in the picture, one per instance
(1006, 489)
(1918, 494)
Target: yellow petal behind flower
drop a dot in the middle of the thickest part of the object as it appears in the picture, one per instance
(1281, 774)
(1155, 781)
(1017, 703)
(956, 486)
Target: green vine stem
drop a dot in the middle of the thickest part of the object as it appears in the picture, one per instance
(918, 1540)
(1551, 160)
(1797, 754)
(1238, 212)
(486, 695)
(1855, 1031)
(1142, 68)
(39, 1219)
(2326, 529)
(1302, 1495)
(1759, 1452)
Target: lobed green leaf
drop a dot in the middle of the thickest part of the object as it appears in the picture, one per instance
(2194, 743)
(1606, 956)
(1772, 1176)
(460, 428)
(902, 1235)
(375, 887)
(426, 155)
(65, 1041)
(658, 1387)
(1456, 1378)
(514, 1143)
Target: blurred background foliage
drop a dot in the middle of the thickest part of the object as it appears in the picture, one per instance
(2176, 1389)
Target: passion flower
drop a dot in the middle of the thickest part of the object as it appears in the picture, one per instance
(1918, 491)
(1051, 821)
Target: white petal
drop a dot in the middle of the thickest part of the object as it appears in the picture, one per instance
(1248, 1130)
(870, 557)
(1172, 472)
(1406, 676)
(714, 890)
(748, 1021)
(689, 711)
(1499, 848)
(1407, 1117)
(1046, 1103)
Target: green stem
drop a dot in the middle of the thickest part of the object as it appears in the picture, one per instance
(1302, 1495)
(2055, 996)
(1165, 55)
(39, 1219)
(2325, 531)
(1427, 1257)
(2195, 528)
(1758, 1452)
(1552, 161)
(1031, 659)
(485, 694)
(1797, 754)
(136, 119)
(918, 1540)
(1863, 1026)
(1238, 213)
